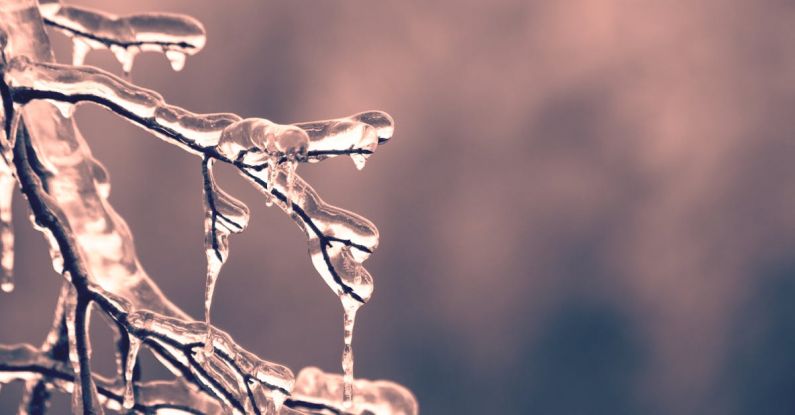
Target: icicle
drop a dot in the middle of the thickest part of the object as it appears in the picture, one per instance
(7, 183)
(70, 305)
(359, 134)
(278, 398)
(65, 108)
(223, 216)
(338, 240)
(126, 57)
(359, 160)
(175, 35)
(289, 168)
(349, 320)
(176, 59)
(273, 173)
(257, 142)
(12, 135)
(132, 357)
(80, 49)
(212, 278)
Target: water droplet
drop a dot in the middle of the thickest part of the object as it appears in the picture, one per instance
(126, 57)
(359, 160)
(79, 51)
(177, 59)
(278, 399)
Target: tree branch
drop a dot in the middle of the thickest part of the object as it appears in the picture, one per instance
(338, 240)
(67, 190)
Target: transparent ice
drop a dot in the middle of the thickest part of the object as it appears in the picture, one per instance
(91, 245)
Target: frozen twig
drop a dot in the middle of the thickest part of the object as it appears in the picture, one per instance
(92, 249)
(174, 35)
(339, 240)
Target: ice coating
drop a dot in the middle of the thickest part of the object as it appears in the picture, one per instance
(175, 35)
(21, 72)
(204, 130)
(379, 397)
(237, 369)
(223, 216)
(343, 241)
(349, 321)
(358, 134)
(338, 240)
(74, 325)
(129, 367)
(21, 355)
(26, 363)
(7, 183)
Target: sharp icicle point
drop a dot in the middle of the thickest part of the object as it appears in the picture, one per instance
(359, 160)
(349, 320)
(223, 216)
(176, 59)
(7, 183)
(80, 49)
(132, 358)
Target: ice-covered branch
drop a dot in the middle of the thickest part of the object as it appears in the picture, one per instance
(315, 391)
(92, 248)
(262, 151)
(175, 340)
(24, 362)
(175, 35)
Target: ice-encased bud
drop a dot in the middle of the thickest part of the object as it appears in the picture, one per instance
(256, 141)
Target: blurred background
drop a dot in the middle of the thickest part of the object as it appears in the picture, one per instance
(587, 207)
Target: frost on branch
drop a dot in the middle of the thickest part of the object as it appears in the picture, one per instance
(91, 246)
